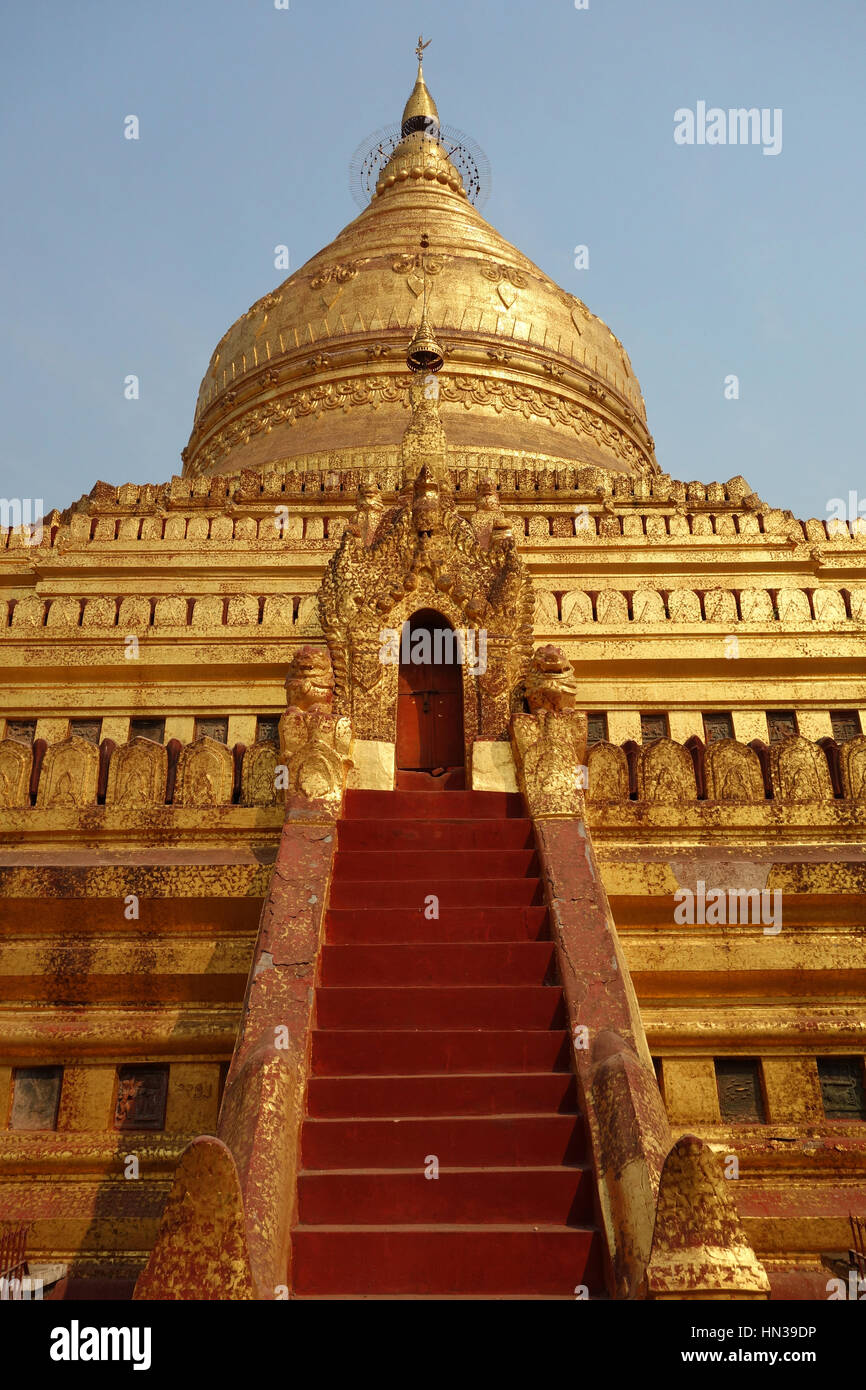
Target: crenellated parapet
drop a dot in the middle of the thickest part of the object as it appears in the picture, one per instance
(207, 774)
(779, 608)
(306, 499)
(783, 608)
(727, 771)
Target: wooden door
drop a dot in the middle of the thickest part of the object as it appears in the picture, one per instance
(430, 710)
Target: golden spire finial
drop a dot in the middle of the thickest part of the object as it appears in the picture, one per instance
(420, 113)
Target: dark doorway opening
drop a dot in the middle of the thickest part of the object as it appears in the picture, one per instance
(430, 752)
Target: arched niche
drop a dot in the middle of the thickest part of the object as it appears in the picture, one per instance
(487, 673)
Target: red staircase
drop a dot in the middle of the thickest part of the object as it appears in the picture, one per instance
(442, 1038)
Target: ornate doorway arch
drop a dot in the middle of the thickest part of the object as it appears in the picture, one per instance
(424, 554)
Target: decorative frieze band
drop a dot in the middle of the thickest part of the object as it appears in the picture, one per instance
(574, 610)
(205, 774)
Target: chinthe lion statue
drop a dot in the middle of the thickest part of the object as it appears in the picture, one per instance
(310, 681)
(550, 682)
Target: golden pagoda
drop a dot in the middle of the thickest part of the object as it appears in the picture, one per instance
(268, 883)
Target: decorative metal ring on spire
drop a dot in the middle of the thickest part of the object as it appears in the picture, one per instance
(452, 158)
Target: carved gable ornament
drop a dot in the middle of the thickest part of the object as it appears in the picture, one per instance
(16, 760)
(665, 772)
(733, 772)
(424, 555)
(259, 776)
(799, 771)
(607, 773)
(69, 776)
(204, 774)
(853, 759)
(137, 774)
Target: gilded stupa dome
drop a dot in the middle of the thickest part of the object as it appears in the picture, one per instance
(317, 367)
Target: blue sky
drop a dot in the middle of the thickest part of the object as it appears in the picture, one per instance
(134, 256)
